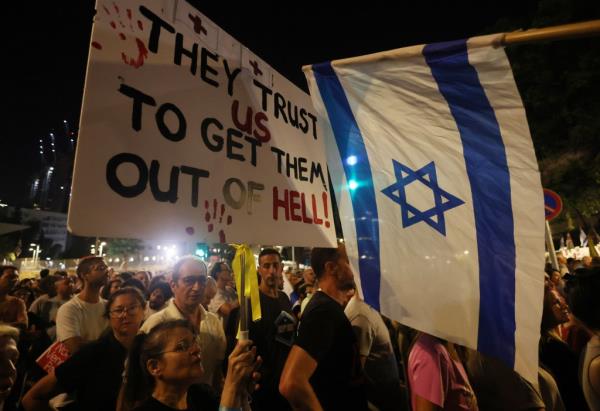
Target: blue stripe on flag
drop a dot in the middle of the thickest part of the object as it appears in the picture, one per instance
(358, 170)
(487, 168)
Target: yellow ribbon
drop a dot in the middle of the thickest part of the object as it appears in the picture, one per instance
(250, 279)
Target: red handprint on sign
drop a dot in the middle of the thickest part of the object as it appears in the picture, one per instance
(213, 218)
(121, 26)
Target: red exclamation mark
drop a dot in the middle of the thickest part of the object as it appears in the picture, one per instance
(222, 212)
(327, 224)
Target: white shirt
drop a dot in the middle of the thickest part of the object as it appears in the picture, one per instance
(211, 338)
(78, 318)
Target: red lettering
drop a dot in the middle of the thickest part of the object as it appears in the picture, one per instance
(280, 203)
(314, 210)
(258, 120)
(247, 126)
(306, 219)
(294, 195)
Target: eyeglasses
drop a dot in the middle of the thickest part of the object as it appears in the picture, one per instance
(119, 311)
(191, 280)
(183, 346)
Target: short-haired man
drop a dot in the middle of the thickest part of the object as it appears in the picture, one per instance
(9, 354)
(12, 309)
(82, 320)
(322, 371)
(273, 333)
(188, 283)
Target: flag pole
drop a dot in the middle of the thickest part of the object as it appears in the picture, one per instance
(564, 31)
(243, 303)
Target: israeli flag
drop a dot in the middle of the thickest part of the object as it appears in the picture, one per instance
(439, 192)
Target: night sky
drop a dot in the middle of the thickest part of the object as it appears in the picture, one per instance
(46, 54)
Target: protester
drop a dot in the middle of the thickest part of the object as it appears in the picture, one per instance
(209, 292)
(322, 370)
(377, 358)
(12, 309)
(188, 283)
(93, 373)
(112, 285)
(144, 277)
(159, 294)
(273, 333)
(556, 355)
(9, 354)
(583, 291)
(81, 319)
(166, 365)
(437, 377)
(46, 307)
(226, 298)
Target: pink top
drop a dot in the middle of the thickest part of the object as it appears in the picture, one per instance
(436, 377)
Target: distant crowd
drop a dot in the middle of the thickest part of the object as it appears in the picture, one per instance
(108, 340)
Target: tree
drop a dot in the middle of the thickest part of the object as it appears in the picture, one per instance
(559, 82)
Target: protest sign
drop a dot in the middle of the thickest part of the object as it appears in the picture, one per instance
(187, 135)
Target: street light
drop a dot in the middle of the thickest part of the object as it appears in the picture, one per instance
(36, 251)
(102, 244)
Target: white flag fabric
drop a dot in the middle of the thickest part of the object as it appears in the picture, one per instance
(439, 192)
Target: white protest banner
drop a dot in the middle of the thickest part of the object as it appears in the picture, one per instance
(187, 135)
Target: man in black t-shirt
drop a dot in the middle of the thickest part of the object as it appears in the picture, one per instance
(273, 333)
(323, 368)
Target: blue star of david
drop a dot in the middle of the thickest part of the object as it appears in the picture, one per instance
(444, 201)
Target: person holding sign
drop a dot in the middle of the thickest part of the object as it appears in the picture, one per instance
(165, 366)
(94, 372)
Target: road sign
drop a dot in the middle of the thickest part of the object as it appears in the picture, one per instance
(552, 204)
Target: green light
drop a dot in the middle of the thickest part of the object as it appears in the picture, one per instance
(352, 184)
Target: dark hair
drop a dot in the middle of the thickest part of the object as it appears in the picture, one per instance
(134, 282)
(61, 273)
(125, 275)
(7, 267)
(269, 251)
(320, 256)
(140, 383)
(29, 291)
(106, 289)
(583, 295)
(123, 291)
(181, 262)
(216, 269)
(86, 263)
(48, 284)
(162, 286)
(44, 272)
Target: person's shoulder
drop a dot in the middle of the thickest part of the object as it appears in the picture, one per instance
(153, 321)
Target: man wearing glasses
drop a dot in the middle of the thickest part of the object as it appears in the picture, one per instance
(82, 320)
(188, 283)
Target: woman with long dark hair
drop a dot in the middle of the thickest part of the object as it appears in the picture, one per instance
(165, 366)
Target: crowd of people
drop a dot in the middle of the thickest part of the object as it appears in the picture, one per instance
(169, 341)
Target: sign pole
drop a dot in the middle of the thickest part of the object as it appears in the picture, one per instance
(550, 247)
(243, 301)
